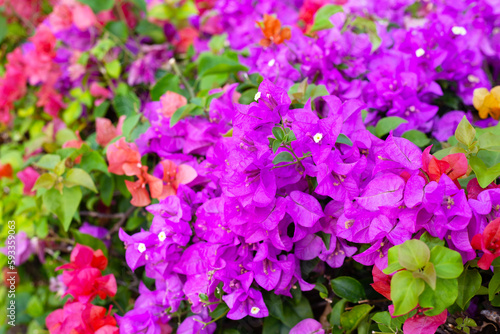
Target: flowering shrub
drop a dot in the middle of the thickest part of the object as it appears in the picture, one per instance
(273, 166)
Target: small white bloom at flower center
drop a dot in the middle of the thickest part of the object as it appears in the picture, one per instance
(317, 137)
(141, 248)
(257, 96)
(255, 310)
(420, 52)
(271, 62)
(162, 236)
(459, 31)
(472, 78)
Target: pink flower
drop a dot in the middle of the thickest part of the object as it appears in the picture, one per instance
(100, 93)
(170, 102)
(124, 158)
(187, 36)
(61, 18)
(28, 176)
(174, 175)
(83, 17)
(106, 131)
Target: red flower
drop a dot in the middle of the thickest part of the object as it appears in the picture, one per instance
(83, 275)
(80, 318)
(6, 171)
(381, 282)
(474, 189)
(489, 243)
(124, 158)
(140, 196)
(453, 165)
(75, 143)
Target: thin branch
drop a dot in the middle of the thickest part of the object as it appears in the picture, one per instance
(122, 221)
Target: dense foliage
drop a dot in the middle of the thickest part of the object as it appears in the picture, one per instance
(234, 166)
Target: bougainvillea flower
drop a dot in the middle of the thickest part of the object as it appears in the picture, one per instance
(124, 158)
(489, 243)
(422, 324)
(381, 282)
(487, 102)
(308, 326)
(170, 102)
(243, 303)
(187, 37)
(106, 131)
(140, 196)
(96, 231)
(28, 176)
(453, 165)
(81, 318)
(474, 189)
(6, 171)
(83, 275)
(174, 175)
(99, 92)
(25, 247)
(271, 28)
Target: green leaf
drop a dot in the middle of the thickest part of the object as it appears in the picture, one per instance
(441, 298)
(337, 311)
(348, 288)
(35, 307)
(119, 29)
(3, 28)
(184, 111)
(283, 157)
(413, 254)
(98, 5)
(405, 290)
(465, 132)
(211, 64)
(126, 104)
(101, 109)
(428, 275)
(93, 161)
(48, 161)
(278, 133)
(113, 68)
(129, 124)
(468, 284)
(72, 112)
(386, 124)
(141, 4)
(489, 141)
(323, 15)
(46, 181)
(169, 82)
(323, 291)
(88, 240)
(343, 139)
(217, 42)
(484, 174)
(351, 319)
(149, 29)
(448, 263)
(369, 27)
(79, 177)
(416, 137)
(63, 205)
(494, 285)
(276, 145)
(431, 241)
(107, 188)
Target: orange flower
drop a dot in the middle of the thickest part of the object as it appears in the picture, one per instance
(6, 171)
(140, 196)
(487, 102)
(271, 28)
(106, 131)
(174, 175)
(124, 158)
